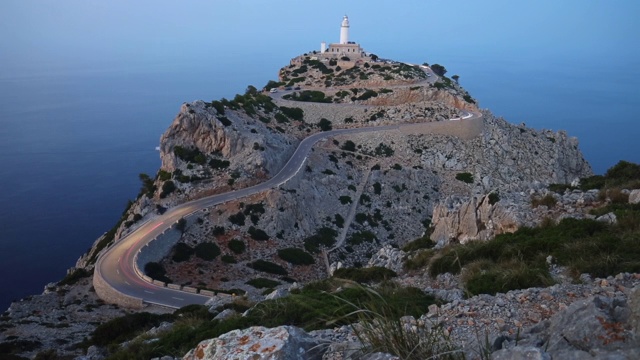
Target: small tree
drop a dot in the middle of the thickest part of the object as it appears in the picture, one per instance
(455, 78)
(251, 90)
(374, 57)
(438, 69)
(325, 125)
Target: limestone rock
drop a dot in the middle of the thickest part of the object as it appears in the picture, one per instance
(634, 196)
(257, 342)
(199, 126)
(521, 353)
(473, 219)
(388, 257)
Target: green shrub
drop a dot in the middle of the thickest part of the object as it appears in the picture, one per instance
(377, 188)
(349, 146)
(167, 188)
(296, 256)
(268, 267)
(548, 201)
(182, 252)
(583, 246)
(228, 259)
(207, 251)
(486, 277)
(324, 237)
(360, 237)
(123, 328)
(465, 177)
(311, 96)
(293, 113)
(237, 246)
(339, 221)
(493, 198)
(365, 275)
(345, 199)
(419, 260)
(237, 218)
(258, 234)
(383, 150)
(324, 124)
(419, 243)
(261, 283)
(219, 164)
(164, 175)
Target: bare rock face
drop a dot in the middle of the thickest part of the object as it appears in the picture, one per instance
(473, 219)
(234, 136)
(388, 257)
(257, 342)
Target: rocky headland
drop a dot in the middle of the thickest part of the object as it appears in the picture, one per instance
(392, 202)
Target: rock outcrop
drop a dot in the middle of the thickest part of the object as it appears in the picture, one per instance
(257, 342)
(246, 142)
(474, 219)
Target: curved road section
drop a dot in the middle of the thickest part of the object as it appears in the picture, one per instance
(116, 279)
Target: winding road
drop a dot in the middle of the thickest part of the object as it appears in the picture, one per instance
(116, 267)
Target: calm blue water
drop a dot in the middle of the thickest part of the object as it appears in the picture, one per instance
(72, 142)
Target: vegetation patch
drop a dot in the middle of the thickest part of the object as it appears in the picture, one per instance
(373, 274)
(296, 256)
(156, 271)
(268, 267)
(547, 200)
(258, 234)
(262, 283)
(237, 246)
(518, 260)
(207, 251)
(465, 177)
(182, 252)
(360, 237)
(325, 237)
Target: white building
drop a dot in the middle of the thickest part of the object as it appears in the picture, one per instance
(345, 47)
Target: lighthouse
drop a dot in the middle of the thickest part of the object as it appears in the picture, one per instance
(344, 30)
(343, 48)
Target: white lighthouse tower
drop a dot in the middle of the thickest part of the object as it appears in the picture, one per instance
(344, 30)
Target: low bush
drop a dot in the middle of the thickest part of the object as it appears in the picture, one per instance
(123, 328)
(465, 177)
(423, 242)
(261, 283)
(547, 200)
(361, 237)
(345, 199)
(258, 234)
(365, 275)
(207, 251)
(519, 259)
(237, 218)
(293, 113)
(182, 252)
(268, 267)
(237, 246)
(296, 256)
(325, 237)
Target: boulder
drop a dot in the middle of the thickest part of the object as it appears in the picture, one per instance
(634, 196)
(257, 342)
(388, 257)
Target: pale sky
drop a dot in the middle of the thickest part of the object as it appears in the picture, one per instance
(43, 34)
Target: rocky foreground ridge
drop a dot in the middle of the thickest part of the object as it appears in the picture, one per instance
(357, 200)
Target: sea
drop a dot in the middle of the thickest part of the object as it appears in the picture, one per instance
(73, 141)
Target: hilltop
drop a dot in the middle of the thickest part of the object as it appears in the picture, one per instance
(407, 206)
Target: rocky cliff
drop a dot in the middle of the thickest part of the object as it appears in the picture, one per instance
(356, 199)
